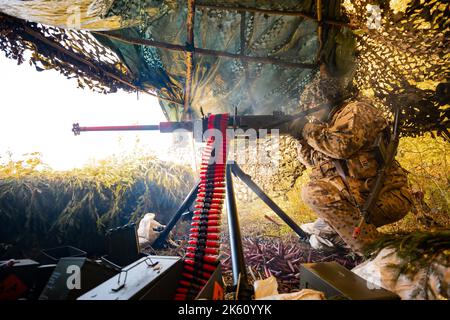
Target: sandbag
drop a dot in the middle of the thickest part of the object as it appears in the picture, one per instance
(429, 282)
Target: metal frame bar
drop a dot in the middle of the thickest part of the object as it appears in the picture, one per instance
(205, 52)
(188, 201)
(272, 12)
(240, 278)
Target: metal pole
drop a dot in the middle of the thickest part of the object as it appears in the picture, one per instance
(237, 253)
(201, 51)
(158, 243)
(272, 12)
(269, 202)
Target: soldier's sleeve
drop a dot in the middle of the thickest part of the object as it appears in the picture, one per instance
(351, 129)
(304, 152)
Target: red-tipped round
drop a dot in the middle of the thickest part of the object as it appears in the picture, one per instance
(206, 258)
(204, 249)
(204, 266)
(211, 236)
(202, 275)
(211, 170)
(211, 183)
(209, 200)
(211, 190)
(210, 217)
(188, 284)
(217, 177)
(214, 195)
(216, 166)
(182, 290)
(212, 206)
(208, 230)
(208, 212)
(207, 243)
(211, 223)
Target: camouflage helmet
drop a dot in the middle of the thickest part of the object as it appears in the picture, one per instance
(323, 90)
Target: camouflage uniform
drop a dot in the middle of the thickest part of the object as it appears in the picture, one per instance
(349, 134)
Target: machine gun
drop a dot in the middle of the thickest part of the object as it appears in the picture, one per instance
(277, 121)
(205, 192)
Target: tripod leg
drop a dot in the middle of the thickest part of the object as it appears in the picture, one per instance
(159, 242)
(240, 279)
(269, 202)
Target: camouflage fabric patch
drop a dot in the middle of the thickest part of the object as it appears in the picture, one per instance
(321, 90)
(332, 206)
(353, 126)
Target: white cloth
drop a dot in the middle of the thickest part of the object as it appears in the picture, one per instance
(322, 236)
(149, 229)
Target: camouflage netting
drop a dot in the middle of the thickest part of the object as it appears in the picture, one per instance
(76, 54)
(403, 62)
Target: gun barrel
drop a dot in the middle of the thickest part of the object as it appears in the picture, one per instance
(120, 128)
(256, 122)
(163, 127)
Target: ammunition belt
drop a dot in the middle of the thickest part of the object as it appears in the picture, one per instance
(202, 252)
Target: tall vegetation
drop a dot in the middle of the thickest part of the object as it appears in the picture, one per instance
(40, 207)
(427, 160)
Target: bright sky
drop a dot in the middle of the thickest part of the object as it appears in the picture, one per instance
(37, 110)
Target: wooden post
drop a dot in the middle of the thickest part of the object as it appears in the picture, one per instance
(243, 26)
(189, 58)
(319, 30)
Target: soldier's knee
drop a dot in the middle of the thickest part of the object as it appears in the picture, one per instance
(319, 193)
(391, 207)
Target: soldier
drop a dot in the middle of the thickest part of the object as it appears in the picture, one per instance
(345, 130)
